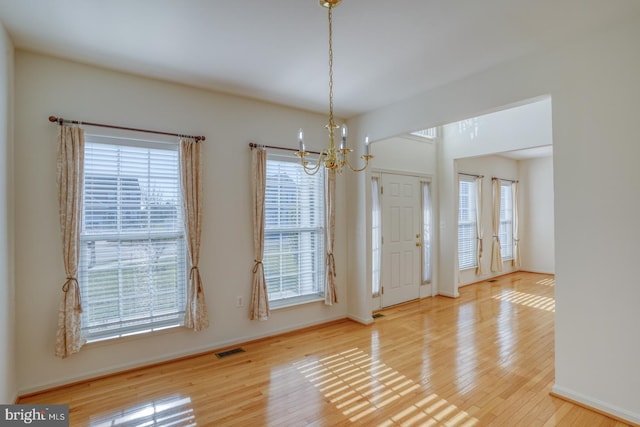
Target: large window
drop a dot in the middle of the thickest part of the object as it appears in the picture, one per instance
(294, 232)
(133, 257)
(506, 220)
(467, 239)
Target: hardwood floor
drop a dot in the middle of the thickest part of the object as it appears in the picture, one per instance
(484, 359)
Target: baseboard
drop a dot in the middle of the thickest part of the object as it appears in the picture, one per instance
(361, 320)
(596, 405)
(172, 357)
(449, 294)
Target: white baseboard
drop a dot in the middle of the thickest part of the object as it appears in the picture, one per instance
(168, 357)
(361, 320)
(599, 405)
(449, 294)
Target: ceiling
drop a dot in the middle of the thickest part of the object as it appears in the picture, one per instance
(384, 51)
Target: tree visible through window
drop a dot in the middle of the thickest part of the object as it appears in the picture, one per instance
(294, 231)
(132, 271)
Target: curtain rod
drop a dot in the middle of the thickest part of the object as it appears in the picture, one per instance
(62, 121)
(254, 145)
(470, 174)
(503, 179)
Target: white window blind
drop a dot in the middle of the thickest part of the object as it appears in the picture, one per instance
(467, 240)
(506, 220)
(376, 236)
(294, 231)
(133, 258)
(427, 230)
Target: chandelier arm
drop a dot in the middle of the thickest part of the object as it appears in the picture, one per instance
(314, 169)
(365, 157)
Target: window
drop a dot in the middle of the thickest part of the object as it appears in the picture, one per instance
(294, 232)
(132, 270)
(376, 236)
(467, 241)
(505, 233)
(427, 230)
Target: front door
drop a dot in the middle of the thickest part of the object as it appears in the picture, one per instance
(401, 238)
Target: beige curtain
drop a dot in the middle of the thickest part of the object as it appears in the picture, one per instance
(330, 295)
(259, 296)
(70, 177)
(496, 255)
(195, 316)
(517, 260)
(479, 228)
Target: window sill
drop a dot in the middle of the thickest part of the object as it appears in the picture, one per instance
(284, 305)
(132, 336)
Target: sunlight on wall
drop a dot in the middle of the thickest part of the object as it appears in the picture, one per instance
(529, 300)
(358, 385)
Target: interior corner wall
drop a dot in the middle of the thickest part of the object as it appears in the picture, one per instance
(7, 284)
(537, 231)
(47, 86)
(595, 104)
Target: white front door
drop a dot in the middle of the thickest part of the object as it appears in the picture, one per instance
(401, 238)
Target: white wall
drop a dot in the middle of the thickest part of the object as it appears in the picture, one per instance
(404, 154)
(537, 227)
(47, 86)
(7, 292)
(595, 90)
(487, 166)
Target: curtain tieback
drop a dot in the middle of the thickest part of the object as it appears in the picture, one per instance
(331, 263)
(257, 265)
(67, 286)
(196, 271)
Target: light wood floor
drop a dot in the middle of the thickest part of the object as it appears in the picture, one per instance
(485, 358)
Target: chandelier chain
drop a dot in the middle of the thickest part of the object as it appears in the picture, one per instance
(331, 122)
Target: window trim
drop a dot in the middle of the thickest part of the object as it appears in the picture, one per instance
(282, 303)
(177, 236)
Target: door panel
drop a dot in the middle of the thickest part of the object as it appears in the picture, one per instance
(401, 214)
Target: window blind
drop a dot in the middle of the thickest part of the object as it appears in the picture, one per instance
(133, 256)
(506, 221)
(376, 236)
(294, 230)
(466, 222)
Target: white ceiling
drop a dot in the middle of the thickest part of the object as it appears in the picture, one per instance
(276, 50)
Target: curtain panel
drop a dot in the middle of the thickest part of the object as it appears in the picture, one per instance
(330, 295)
(259, 297)
(479, 228)
(496, 253)
(70, 171)
(195, 317)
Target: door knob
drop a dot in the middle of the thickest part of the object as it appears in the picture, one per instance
(418, 244)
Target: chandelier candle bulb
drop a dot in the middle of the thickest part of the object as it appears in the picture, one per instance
(343, 144)
(301, 140)
(366, 145)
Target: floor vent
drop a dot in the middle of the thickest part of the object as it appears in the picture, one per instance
(376, 315)
(229, 352)
(492, 280)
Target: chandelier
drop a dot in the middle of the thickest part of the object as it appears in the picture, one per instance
(332, 158)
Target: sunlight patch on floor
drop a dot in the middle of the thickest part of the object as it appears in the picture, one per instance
(529, 300)
(171, 411)
(546, 282)
(358, 385)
